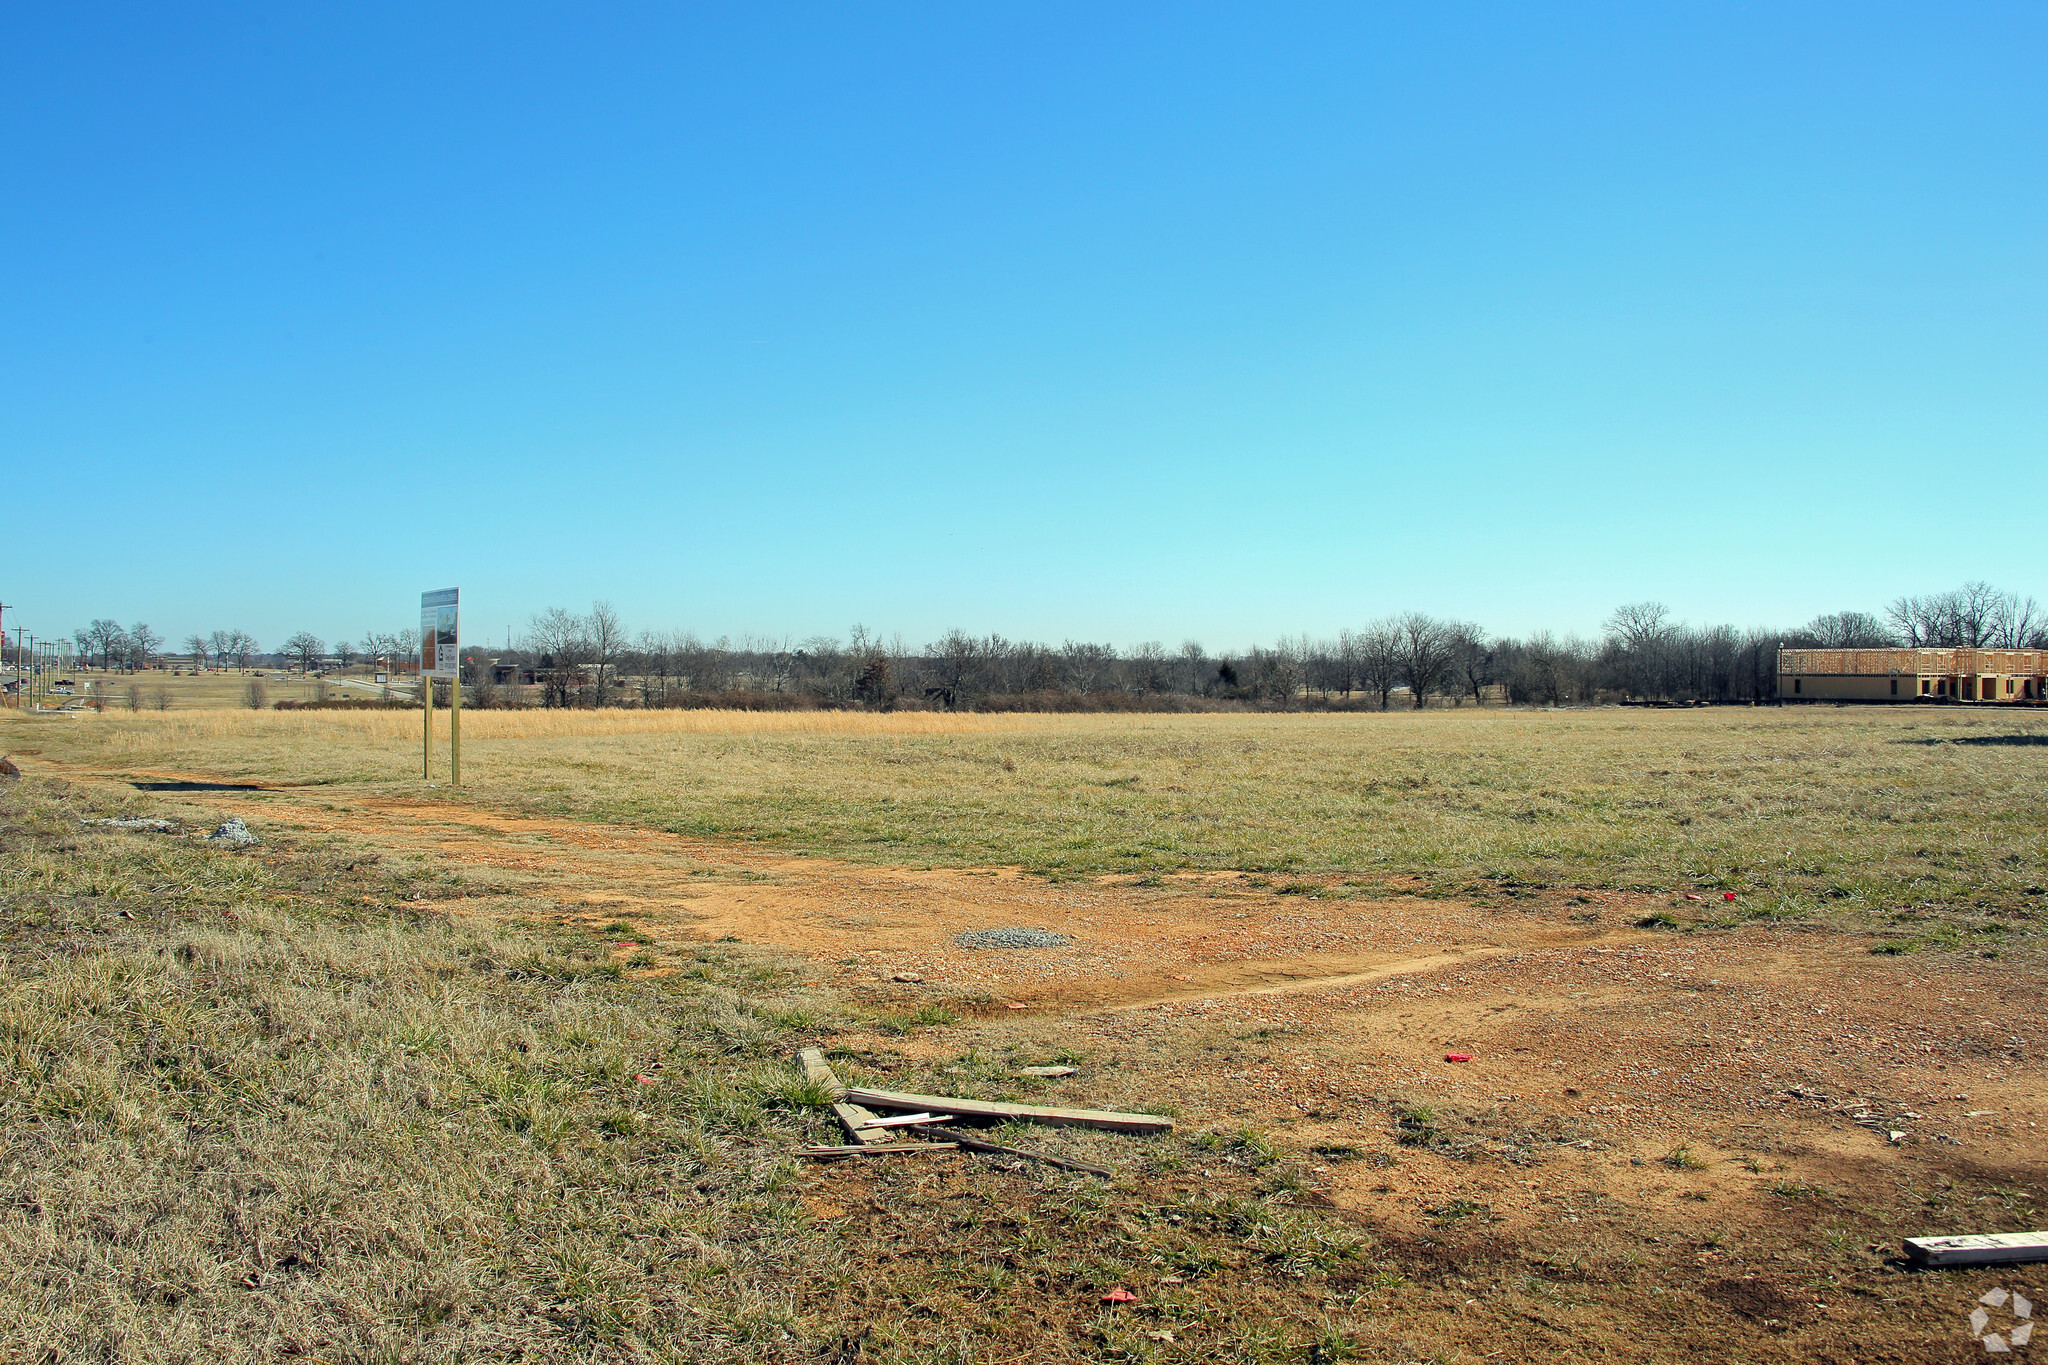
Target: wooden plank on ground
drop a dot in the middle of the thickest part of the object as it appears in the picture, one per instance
(855, 1119)
(1030, 1113)
(908, 1121)
(816, 1068)
(852, 1117)
(1992, 1248)
(874, 1149)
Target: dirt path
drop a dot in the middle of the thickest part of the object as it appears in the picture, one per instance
(1187, 938)
(1759, 1114)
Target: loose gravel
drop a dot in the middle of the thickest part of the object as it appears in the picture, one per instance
(1012, 938)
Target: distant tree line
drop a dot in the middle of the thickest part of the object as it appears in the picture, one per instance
(1409, 659)
(590, 659)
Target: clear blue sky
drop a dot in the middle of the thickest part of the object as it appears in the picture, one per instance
(1104, 322)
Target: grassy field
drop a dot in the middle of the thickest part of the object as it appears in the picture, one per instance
(256, 1106)
(265, 1104)
(1923, 820)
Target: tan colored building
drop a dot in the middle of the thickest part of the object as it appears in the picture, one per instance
(2019, 676)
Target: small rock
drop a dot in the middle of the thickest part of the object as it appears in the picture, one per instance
(1895, 1137)
(906, 976)
(232, 834)
(7, 768)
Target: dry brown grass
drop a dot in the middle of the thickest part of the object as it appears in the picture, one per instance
(1888, 816)
(257, 1106)
(150, 734)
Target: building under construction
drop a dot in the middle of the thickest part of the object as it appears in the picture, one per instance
(2016, 676)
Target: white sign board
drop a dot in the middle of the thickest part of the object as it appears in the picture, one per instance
(438, 633)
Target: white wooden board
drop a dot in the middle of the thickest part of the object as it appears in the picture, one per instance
(1989, 1248)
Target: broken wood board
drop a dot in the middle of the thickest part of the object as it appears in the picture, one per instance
(858, 1122)
(852, 1117)
(975, 1144)
(1029, 1113)
(874, 1149)
(1990, 1248)
(907, 1121)
(817, 1069)
(1047, 1071)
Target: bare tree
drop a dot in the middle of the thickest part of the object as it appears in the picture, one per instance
(1146, 667)
(1425, 645)
(1849, 630)
(197, 646)
(1345, 662)
(143, 644)
(953, 659)
(1974, 616)
(1471, 657)
(1085, 665)
(405, 648)
(307, 650)
(1379, 659)
(605, 640)
(658, 662)
(1194, 662)
(344, 653)
(1637, 635)
(1910, 619)
(241, 647)
(2016, 623)
(560, 648)
(106, 637)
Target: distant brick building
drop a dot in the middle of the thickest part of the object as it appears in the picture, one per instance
(2018, 676)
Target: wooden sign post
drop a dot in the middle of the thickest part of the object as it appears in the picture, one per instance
(441, 657)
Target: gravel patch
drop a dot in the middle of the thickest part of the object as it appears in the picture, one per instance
(1012, 938)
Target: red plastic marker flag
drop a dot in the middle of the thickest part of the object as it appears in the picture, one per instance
(1727, 895)
(1457, 1056)
(1119, 1295)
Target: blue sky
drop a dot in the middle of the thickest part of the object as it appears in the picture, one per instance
(1103, 322)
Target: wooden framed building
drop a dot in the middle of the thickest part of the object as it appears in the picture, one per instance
(2000, 676)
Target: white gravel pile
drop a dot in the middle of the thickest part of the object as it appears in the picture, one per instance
(1012, 938)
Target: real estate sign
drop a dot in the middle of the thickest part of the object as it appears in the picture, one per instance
(438, 633)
